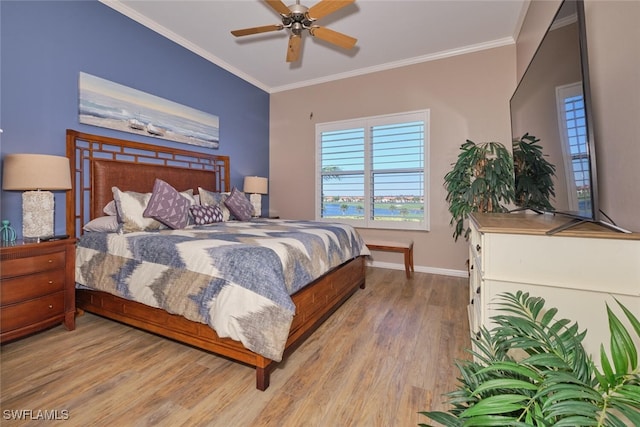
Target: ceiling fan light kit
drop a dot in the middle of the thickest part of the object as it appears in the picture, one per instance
(298, 18)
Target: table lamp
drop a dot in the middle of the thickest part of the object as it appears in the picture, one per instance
(33, 173)
(256, 186)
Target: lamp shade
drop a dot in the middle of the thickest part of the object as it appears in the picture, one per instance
(36, 172)
(255, 185)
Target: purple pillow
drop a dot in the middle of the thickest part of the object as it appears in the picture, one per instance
(205, 214)
(239, 205)
(167, 206)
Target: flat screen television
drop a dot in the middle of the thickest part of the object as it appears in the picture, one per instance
(552, 106)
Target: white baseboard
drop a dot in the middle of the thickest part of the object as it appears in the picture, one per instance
(419, 268)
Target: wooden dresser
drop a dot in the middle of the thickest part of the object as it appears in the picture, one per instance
(37, 287)
(578, 270)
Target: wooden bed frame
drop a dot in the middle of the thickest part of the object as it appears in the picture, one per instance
(99, 162)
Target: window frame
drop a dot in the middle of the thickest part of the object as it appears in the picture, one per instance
(366, 123)
(562, 93)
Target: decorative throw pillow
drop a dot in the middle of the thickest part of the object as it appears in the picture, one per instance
(193, 200)
(210, 198)
(206, 214)
(106, 224)
(131, 206)
(168, 206)
(110, 208)
(188, 194)
(239, 205)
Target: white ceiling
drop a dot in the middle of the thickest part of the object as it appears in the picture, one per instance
(390, 33)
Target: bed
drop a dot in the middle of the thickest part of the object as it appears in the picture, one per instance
(120, 279)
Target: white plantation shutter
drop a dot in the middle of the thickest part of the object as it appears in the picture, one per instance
(372, 172)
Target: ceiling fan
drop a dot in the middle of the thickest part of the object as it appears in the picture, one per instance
(298, 18)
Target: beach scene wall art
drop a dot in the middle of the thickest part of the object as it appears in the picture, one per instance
(111, 105)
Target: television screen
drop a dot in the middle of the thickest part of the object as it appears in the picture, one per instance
(554, 156)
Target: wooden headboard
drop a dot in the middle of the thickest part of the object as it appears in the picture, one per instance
(99, 163)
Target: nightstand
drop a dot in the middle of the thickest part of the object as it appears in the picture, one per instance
(37, 289)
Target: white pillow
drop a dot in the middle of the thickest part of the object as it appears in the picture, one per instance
(110, 209)
(105, 224)
(131, 206)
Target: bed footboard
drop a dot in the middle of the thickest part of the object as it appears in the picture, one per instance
(314, 304)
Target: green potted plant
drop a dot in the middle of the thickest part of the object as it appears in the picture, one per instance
(533, 174)
(481, 181)
(532, 370)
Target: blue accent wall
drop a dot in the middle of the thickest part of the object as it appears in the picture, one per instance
(46, 44)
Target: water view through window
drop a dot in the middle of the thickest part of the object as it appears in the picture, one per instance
(374, 173)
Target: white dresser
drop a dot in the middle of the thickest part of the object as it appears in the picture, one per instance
(576, 271)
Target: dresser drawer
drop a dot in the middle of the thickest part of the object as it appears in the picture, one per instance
(33, 264)
(22, 288)
(32, 311)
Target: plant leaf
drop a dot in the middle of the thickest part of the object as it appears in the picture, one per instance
(576, 420)
(494, 420)
(623, 351)
(635, 323)
(546, 360)
(632, 415)
(443, 418)
(607, 371)
(494, 405)
(504, 383)
(572, 407)
(556, 383)
(514, 368)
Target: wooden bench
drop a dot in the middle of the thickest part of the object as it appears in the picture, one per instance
(404, 246)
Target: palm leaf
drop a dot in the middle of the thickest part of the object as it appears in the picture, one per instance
(502, 384)
(623, 350)
(548, 316)
(631, 392)
(556, 383)
(577, 420)
(633, 416)
(514, 368)
(496, 405)
(546, 360)
(494, 420)
(442, 418)
(635, 323)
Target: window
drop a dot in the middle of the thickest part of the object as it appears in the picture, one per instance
(573, 132)
(373, 172)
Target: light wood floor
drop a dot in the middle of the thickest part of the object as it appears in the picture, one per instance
(386, 354)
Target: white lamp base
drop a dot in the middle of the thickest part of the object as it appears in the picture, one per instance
(256, 201)
(37, 214)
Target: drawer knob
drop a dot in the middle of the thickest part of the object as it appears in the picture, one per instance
(50, 281)
(478, 290)
(50, 305)
(478, 247)
(50, 261)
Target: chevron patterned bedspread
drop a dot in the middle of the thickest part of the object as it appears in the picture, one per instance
(237, 277)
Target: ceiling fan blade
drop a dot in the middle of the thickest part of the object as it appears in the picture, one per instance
(278, 6)
(293, 51)
(256, 30)
(334, 37)
(325, 7)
